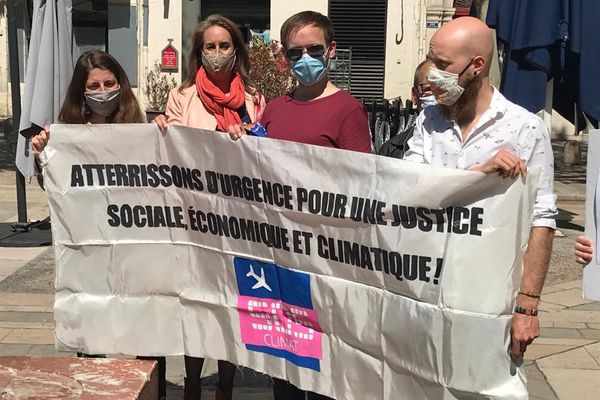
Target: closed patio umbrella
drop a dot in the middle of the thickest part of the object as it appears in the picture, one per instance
(49, 71)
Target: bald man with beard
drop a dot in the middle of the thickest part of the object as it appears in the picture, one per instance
(474, 127)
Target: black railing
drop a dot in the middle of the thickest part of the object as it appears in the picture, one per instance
(387, 118)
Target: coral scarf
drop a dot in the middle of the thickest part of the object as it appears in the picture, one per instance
(223, 106)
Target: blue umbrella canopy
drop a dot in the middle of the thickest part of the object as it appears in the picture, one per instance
(549, 39)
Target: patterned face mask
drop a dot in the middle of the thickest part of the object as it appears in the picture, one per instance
(448, 83)
(103, 103)
(218, 62)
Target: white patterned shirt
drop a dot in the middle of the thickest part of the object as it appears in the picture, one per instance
(437, 141)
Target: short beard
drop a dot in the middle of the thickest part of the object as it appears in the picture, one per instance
(463, 111)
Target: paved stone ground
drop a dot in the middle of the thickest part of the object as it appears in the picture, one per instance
(563, 364)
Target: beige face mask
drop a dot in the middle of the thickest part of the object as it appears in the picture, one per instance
(448, 82)
(218, 62)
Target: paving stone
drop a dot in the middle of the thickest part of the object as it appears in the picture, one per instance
(569, 325)
(12, 308)
(591, 306)
(21, 253)
(572, 384)
(26, 316)
(570, 285)
(537, 385)
(30, 336)
(577, 358)
(567, 298)
(560, 333)
(4, 332)
(546, 324)
(48, 350)
(564, 341)
(7, 267)
(549, 307)
(551, 289)
(26, 299)
(14, 349)
(536, 351)
(177, 380)
(27, 325)
(175, 369)
(593, 334)
(574, 316)
(37, 276)
(593, 326)
(594, 351)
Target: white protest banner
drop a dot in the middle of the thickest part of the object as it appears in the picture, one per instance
(351, 275)
(591, 272)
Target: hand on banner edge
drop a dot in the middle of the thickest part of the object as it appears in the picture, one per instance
(584, 251)
(505, 163)
(162, 122)
(237, 131)
(40, 141)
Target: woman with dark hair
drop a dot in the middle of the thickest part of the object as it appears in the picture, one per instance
(99, 93)
(216, 94)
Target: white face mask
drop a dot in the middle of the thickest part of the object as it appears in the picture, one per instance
(427, 101)
(448, 83)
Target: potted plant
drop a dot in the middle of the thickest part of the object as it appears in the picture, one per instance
(269, 70)
(157, 88)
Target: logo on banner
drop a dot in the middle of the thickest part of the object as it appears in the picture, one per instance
(276, 312)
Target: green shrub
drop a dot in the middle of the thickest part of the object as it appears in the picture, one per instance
(157, 88)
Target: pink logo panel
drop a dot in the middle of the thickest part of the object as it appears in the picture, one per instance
(278, 325)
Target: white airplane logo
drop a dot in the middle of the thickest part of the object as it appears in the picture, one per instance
(260, 280)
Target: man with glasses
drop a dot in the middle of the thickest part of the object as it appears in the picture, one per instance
(316, 112)
(474, 127)
(422, 97)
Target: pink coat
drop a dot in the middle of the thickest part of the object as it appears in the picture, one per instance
(185, 108)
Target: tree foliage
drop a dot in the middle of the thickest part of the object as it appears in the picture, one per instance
(269, 70)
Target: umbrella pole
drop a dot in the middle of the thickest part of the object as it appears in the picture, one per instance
(22, 233)
(15, 85)
(547, 113)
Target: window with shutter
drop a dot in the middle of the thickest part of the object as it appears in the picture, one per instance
(361, 27)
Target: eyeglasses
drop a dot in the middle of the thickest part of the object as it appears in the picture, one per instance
(314, 50)
(424, 89)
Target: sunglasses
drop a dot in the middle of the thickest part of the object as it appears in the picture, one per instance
(314, 50)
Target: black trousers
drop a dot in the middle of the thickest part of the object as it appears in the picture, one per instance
(283, 390)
